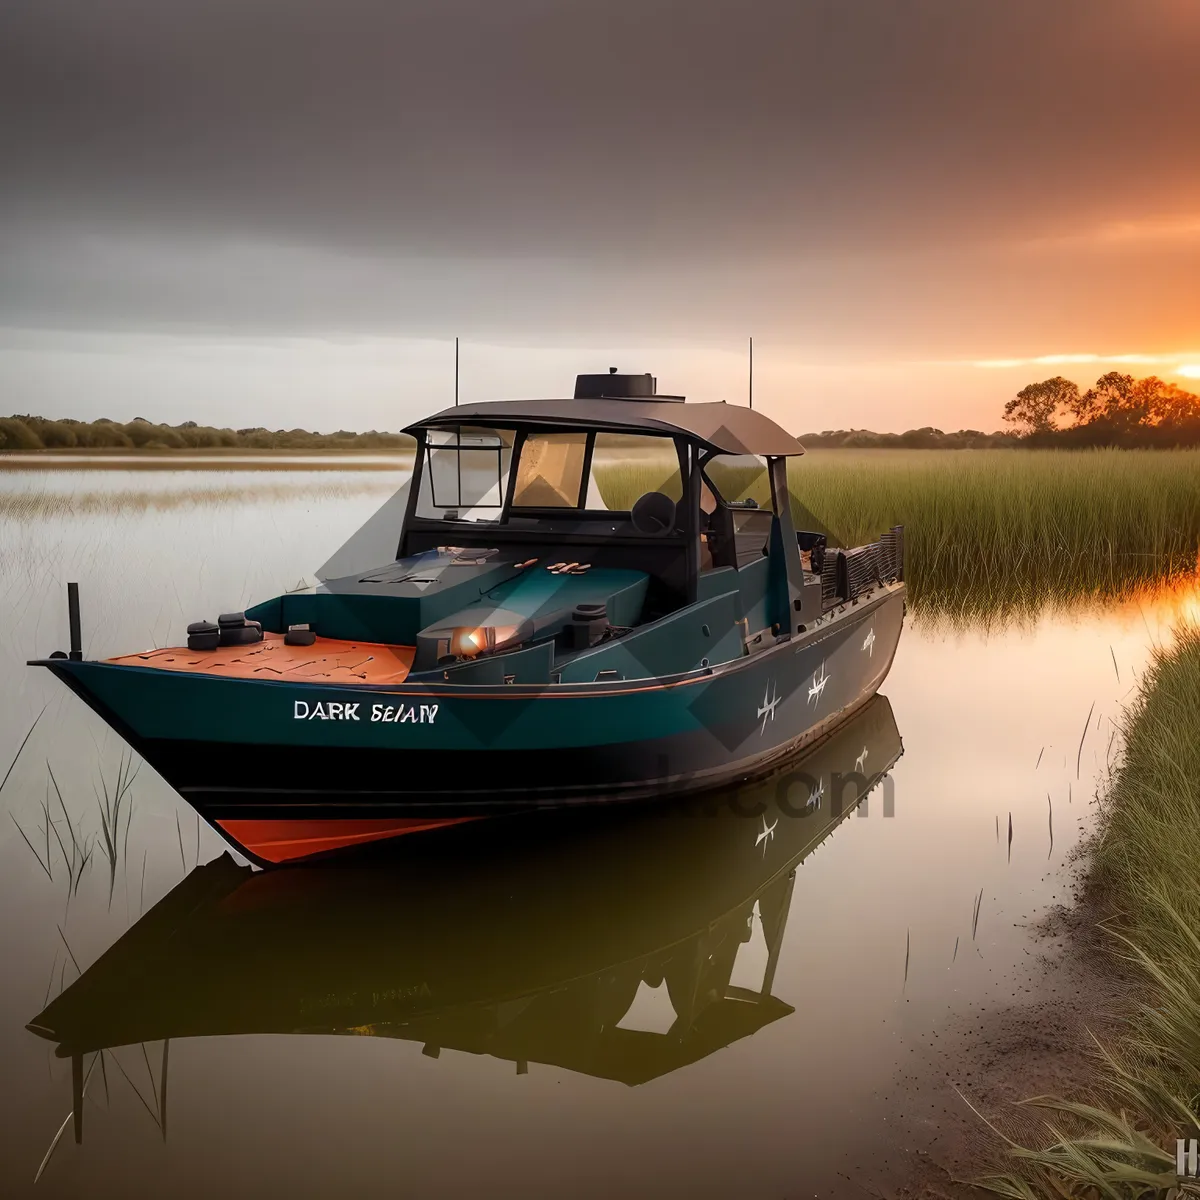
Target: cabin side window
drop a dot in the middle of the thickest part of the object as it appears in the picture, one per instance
(627, 466)
(740, 477)
(736, 532)
(465, 473)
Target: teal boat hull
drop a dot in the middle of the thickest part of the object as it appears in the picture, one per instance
(262, 749)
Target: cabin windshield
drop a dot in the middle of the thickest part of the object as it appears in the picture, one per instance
(465, 474)
(626, 466)
(594, 472)
(550, 472)
(480, 474)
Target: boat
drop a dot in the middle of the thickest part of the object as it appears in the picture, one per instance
(604, 942)
(497, 638)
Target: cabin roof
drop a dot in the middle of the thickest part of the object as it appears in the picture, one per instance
(726, 428)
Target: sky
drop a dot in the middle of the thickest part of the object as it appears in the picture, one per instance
(282, 212)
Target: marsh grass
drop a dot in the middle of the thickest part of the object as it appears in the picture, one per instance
(21, 748)
(80, 853)
(113, 804)
(42, 856)
(1144, 865)
(67, 1119)
(990, 532)
(77, 850)
(157, 1110)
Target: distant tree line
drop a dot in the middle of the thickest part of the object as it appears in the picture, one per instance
(1118, 410)
(40, 433)
(927, 438)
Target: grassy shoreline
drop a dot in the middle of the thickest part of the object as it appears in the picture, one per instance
(1143, 865)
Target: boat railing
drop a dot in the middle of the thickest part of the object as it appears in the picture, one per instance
(847, 574)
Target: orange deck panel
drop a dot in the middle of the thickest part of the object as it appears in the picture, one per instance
(326, 661)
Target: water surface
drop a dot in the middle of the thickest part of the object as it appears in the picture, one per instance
(544, 943)
(226, 460)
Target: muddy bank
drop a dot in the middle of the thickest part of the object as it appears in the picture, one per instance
(920, 1137)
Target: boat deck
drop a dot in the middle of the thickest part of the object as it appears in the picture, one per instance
(326, 661)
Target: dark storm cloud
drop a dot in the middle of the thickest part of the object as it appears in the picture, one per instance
(142, 140)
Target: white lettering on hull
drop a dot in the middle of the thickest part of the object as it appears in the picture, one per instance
(334, 710)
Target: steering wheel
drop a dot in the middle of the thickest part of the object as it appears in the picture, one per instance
(653, 513)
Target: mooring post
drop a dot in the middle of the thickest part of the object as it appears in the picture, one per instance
(73, 619)
(77, 1096)
(162, 1090)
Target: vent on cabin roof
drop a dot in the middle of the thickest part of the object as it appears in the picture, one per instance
(615, 386)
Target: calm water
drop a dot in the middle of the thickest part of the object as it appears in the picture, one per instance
(661, 1005)
(171, 461)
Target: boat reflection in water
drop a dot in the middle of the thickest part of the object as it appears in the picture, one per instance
(613, 945)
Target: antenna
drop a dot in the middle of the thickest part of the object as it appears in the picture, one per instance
(457, 428)
(751, 372)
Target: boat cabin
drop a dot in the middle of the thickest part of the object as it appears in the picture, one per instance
(614, 535)
(529, 478)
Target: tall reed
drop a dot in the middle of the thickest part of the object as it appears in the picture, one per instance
(116, 802)
(990, 532)
(79, 855)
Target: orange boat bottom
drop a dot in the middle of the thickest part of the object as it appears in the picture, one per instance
(285, 840)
